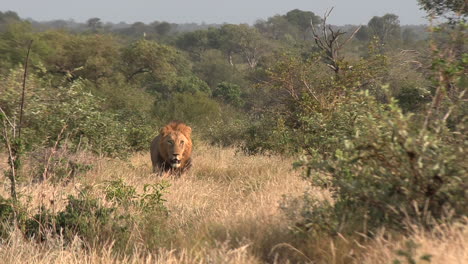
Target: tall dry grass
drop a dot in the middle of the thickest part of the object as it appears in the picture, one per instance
(446, 243)
(225, 210)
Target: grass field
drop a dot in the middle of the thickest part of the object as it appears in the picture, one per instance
(227, 209)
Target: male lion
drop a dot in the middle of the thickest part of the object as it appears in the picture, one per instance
(172, 148)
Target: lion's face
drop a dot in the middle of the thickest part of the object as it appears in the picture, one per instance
(175, 143)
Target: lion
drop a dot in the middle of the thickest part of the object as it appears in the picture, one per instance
(171, 150)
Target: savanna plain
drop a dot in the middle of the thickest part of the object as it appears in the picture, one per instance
(312, 142)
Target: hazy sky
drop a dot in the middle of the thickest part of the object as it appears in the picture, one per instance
(210, 11)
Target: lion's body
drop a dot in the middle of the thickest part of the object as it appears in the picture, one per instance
(171, 150)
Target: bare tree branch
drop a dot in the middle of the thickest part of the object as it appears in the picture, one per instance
(329, 42)
(25, 74)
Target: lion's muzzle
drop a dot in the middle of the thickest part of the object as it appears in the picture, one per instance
(175, 162)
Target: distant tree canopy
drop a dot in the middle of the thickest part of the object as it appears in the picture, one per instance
(385, 27)
(302, 19)
(8, 16)
(295, 23)
(94, 24)
(150, 58)
(441, 7)
(163, 28)
(194, 42)
(276, 27)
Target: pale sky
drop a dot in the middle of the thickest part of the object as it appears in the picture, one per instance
(210, 11)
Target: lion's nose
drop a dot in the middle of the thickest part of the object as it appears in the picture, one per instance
(176, 156)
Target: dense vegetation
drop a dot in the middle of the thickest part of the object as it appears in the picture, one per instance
(376, 114)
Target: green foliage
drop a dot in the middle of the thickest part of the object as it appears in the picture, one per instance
(14, 41)
(95, 223)
(297, 92)
(69, 112)
(61, 168)
(302, 19)
(384, 170)
(443, 7)
(94, 24)
(151, 200)
(213, 69)
(408, 253)
(229, 93)
(70, 56)
(161, 64)
(163, 28)
(7, 215)
(229, 130)
(411, 98)
(386, 28)
(317, 216)
(197, 109)
(8, 17)
(191, 84)
(195, 42)
(84, 216)
(277, 28)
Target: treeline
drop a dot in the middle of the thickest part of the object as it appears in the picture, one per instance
(148, 74)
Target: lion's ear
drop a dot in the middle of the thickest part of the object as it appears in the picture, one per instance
(188, 131)
(163, 131)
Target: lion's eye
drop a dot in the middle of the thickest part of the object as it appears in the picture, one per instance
(170, 142)
(182, 142)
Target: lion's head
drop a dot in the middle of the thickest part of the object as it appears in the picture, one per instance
(176, 144)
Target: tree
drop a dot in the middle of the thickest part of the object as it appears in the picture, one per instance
(8, 17)
(229, 93)
(441, 7)
(138, 29)
(71, 56)
(385, 28)
(328, 40)
(163, 28)
(276, 27)
(13, 41)
(213, 68)
(95, 24)
(158, 67)
(195, 42)
(363, 34)
(251, 45)
(244, 40)
(302, 20)
(408, 36)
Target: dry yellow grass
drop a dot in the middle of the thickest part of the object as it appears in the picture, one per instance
(225, 210)
(445, 244)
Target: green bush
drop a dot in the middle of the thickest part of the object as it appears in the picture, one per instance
(229, 93)
(126, 195)
(196, 109)
(87, 217)
(191, 84)
(384, 169)
(7, 216)
(73, 113)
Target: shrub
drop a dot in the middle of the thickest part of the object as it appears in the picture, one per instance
(70, 111)
(150, 200)
(384, 169)
(60, 165)
(196, 109)
(7, 216)
(229, 93)
(87, 217)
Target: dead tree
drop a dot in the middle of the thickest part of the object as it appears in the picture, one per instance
(11, 135)
(328, 40)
